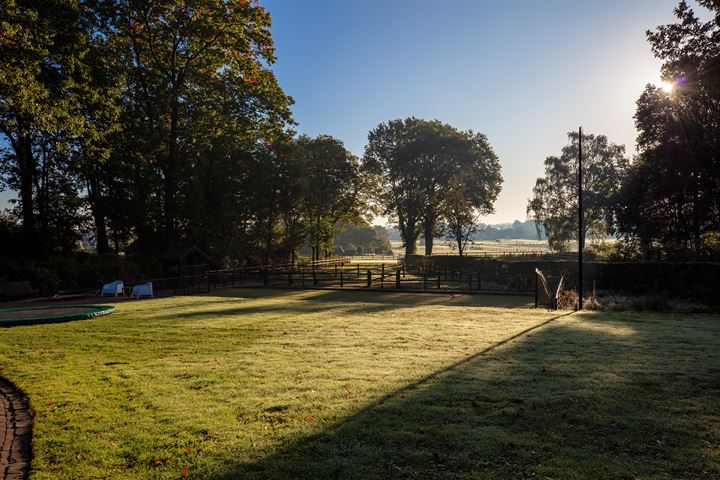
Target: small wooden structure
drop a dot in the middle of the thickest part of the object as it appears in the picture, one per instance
(177, 258)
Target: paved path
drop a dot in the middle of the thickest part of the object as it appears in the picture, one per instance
(15, 433)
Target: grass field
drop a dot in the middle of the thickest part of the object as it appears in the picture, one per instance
(339, 385)
(481, 247)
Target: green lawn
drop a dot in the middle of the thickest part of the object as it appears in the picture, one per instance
(340, 385)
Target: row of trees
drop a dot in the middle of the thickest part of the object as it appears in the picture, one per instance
(160, 122)
(666, 202)
(133, 118)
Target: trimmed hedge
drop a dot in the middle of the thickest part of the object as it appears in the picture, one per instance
(70, 272)
(691, 280)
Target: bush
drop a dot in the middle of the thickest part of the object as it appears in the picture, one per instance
(69, 272)
(696, 281)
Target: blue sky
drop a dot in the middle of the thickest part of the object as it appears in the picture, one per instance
(522, 72)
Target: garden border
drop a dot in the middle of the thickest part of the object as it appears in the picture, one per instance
(15, 433)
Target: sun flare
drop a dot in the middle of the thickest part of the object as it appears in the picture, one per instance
(667, 87)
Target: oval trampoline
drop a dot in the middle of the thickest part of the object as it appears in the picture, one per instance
(55, 314)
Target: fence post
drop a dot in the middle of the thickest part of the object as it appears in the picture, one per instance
(290, 282)
(382, 277)
(341, 279)
(536, 290)
(369, 278)
(232, 278)
(397, 279)
(302, 275)
(358, 270)
(439, 278)
(424, 281)
(315, 281)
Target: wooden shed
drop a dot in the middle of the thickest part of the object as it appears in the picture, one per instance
(177, 258)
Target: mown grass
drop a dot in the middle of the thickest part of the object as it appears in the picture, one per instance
(326, 385)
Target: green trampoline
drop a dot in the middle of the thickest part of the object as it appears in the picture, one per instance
(54, 314)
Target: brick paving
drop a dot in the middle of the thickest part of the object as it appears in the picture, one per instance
(15, 433)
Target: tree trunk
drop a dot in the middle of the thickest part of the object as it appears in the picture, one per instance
(317, 239)
(98, 212)
(171, 173)
(26, 167)
(101, 236)
(428, 227)
(410, 245)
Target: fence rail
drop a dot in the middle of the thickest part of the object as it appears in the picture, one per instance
(340, 274)
(374, 277)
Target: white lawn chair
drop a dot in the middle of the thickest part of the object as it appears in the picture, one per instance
(144, 289)
(113, 288)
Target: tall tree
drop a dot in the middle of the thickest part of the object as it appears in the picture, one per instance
(554, 204)
(412, 162)
(41, 45)
(333, 189)
(192, 58)
(672, 197)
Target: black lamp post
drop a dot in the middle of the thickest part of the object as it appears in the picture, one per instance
(581, 237)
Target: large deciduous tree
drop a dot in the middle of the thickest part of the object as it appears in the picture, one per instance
(671, 199)
(333, 193)
(198, 72)
(412, 162)
(554, 204)
(41, 51)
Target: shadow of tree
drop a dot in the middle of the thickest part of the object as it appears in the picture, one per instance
(587, 396)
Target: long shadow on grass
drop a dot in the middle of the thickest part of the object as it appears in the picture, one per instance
(596, 397)
(333, 302)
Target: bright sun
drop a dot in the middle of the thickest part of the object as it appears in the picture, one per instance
(667, 87)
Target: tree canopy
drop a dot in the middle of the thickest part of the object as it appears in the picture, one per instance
(158, 122)
(417, 167)
(554, 204)
(671, 200)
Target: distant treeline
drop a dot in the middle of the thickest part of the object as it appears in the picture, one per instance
(517, 230)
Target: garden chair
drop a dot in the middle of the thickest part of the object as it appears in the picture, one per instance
(144, 289)
(113, 288)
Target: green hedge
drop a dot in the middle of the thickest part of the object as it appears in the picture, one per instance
(70, 272)
(691, 280)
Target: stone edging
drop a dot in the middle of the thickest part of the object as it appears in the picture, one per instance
(15, 433)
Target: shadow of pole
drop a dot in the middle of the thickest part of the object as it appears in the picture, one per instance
(573, 401)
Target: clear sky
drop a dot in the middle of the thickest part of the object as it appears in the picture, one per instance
(522, 72)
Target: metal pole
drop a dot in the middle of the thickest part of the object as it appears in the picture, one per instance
(580, 223)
